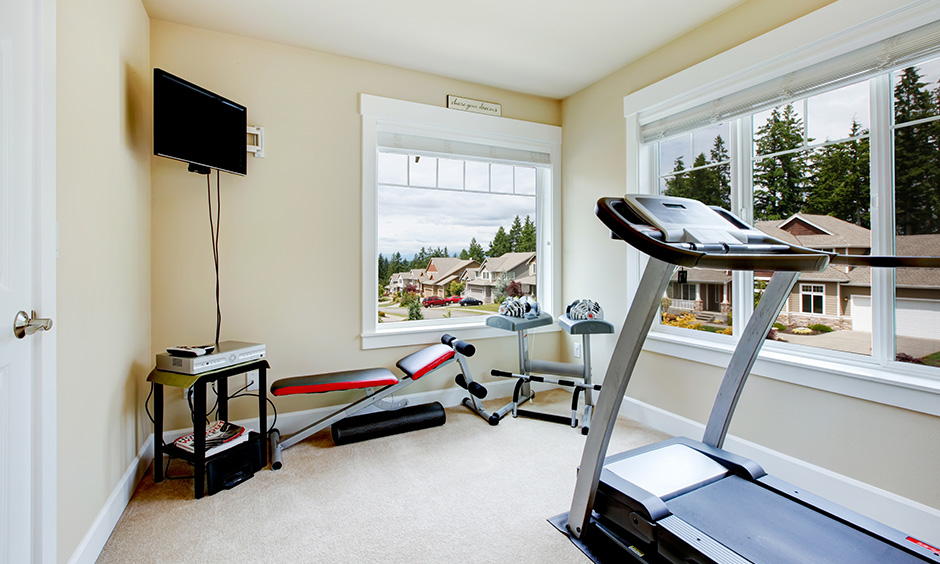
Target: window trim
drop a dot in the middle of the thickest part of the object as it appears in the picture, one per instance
(380, 114)
(809, 289)
(837, 29)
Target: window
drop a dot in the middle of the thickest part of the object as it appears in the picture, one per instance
(462, 203)
(811, 298)
(834, 152)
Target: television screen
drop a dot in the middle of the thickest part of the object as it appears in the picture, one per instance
(194, 125)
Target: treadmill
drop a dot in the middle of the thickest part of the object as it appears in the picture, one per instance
(686, 501)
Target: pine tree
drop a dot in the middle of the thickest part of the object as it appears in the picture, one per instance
(476, 252)
(676, 185)
(841, 184)
(500, 245)
(780, 181)
(915, 157)
(721, 173)
(514, 233)
(527, 239)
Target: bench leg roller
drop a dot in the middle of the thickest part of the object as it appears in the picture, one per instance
(274, 440)
(385, 423)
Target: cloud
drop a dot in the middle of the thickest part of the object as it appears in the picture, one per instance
(411, 218)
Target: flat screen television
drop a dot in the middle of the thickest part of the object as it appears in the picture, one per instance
(193, 125)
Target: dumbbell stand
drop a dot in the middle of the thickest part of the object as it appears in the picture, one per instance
(528, 366)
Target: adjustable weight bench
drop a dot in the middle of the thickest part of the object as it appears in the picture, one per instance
(378, 383)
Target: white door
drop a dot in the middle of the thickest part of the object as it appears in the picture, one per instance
(24, 167)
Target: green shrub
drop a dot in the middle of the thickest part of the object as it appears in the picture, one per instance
(780, 326)
(821, 328)
(414, 311)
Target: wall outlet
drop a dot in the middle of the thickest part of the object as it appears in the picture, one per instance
(577, 350)
(251, 379)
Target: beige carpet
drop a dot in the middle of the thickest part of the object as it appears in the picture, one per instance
(462, 492)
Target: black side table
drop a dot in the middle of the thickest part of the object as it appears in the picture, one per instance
(197, 458)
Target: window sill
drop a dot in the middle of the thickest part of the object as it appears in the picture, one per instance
(831, 371)
(430, 333)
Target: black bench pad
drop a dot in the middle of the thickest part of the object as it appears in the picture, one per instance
(334, 381)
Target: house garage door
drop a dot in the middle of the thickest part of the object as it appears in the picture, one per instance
(914, 317)
(861, 313)
(918, 318)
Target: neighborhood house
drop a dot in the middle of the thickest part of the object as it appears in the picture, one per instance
(839, 296)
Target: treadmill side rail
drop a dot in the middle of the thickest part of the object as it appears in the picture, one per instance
(629, 344)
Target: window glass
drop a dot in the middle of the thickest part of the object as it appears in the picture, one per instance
(436, 233)
(917, 212)
(828, 115)
(698, 299)
(450, 173)
(816, 193)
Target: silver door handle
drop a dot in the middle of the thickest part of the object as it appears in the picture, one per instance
(24, 324)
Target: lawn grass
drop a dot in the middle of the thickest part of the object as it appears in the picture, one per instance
(485, 308)
(932, 359)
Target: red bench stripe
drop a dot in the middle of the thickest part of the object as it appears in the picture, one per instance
(334, 386)
(433, 364)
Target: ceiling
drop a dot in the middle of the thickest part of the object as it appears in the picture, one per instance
(551, 48)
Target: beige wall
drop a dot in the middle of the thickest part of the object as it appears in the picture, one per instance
(290, 241)
(873, 443)
(103, 280)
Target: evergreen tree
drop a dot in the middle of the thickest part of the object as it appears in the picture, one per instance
(464, 255)
(527, 238)
(915, 157)
(397, 264)
(780, 181)
(500, 245)
(476, 251)
(514, 233)
(702, 184)
(842, 180)
(676, 185)
(384, 273)
(721, 173)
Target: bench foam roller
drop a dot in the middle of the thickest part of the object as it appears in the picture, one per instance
(385, 423)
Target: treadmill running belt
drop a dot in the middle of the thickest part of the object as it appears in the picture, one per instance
(767, 528)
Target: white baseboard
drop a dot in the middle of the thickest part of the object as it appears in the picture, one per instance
(89, 549)
(915, 519)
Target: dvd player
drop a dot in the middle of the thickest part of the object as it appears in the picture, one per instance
(228, 353)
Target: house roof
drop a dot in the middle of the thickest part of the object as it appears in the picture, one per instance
(507, 261)
(817, 231)
(448, 268)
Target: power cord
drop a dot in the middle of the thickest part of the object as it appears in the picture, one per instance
(214, 232)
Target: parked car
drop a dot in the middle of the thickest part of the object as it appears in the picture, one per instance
(470, 301)
(453, 299)
(433, 301)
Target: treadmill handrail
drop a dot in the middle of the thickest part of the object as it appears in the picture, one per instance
(616, 214)
(771, 254)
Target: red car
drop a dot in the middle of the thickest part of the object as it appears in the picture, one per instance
(433, 301)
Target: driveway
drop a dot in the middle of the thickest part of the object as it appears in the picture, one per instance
(860, 342)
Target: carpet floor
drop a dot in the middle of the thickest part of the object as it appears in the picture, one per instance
(462, 492)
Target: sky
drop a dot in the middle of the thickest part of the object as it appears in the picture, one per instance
(826, 116)
(448, 203)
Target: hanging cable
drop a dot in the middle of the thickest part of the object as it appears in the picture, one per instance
(214, 232)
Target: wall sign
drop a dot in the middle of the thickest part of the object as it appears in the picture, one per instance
(475, 106)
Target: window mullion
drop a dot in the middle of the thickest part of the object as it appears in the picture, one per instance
(742, 204)
(882, 218)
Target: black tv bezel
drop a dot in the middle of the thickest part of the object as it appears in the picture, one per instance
(195, 164)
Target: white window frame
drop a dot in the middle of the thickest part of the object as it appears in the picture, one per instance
(397, 116)
(834, 30)
(811, 291)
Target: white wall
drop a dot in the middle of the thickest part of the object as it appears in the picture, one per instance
(290, 241)
(103, 280)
